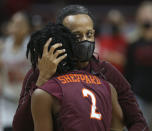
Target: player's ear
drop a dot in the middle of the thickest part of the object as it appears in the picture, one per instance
(39, 59)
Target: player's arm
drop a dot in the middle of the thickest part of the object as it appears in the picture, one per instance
(41, 107)
(117, 123)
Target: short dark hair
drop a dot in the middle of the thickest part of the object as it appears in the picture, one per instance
(59, 34)
(73, 10)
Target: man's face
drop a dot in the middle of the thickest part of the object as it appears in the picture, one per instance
(81, 25)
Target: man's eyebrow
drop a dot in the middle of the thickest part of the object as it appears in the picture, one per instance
(76, 32)
(91, 30)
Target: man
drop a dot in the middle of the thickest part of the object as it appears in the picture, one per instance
(94, 102)
(80, 21)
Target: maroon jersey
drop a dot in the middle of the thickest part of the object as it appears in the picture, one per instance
(133, 117)
(85, 102)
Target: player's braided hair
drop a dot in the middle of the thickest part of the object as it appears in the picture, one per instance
(59, 34)
(73, 10)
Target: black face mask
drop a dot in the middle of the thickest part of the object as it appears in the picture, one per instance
(83, 51)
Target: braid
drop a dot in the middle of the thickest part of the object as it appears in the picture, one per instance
(34, 49)
(59, 34)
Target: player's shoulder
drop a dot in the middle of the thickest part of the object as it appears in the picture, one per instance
(53, 88)
(51, 83)
(40, 94)
(40, 99)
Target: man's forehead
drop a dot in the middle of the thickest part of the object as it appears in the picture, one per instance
(78, 22)
(80, 30)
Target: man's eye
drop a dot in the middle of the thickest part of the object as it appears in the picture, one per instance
(90, 34)
(78, 36)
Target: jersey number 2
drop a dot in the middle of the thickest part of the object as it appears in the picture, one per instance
(93, 114)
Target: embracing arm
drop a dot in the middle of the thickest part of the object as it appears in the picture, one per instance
(133, 116)
(41, 107)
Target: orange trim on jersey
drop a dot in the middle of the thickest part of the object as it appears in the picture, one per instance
(82, 77)
(91, 117)
(92, 79)
(73, 78)
(62, 79)
(98, 80)
(89, 79)
(77, 77)
(68, 79)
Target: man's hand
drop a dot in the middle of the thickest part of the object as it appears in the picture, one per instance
(47, 65)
